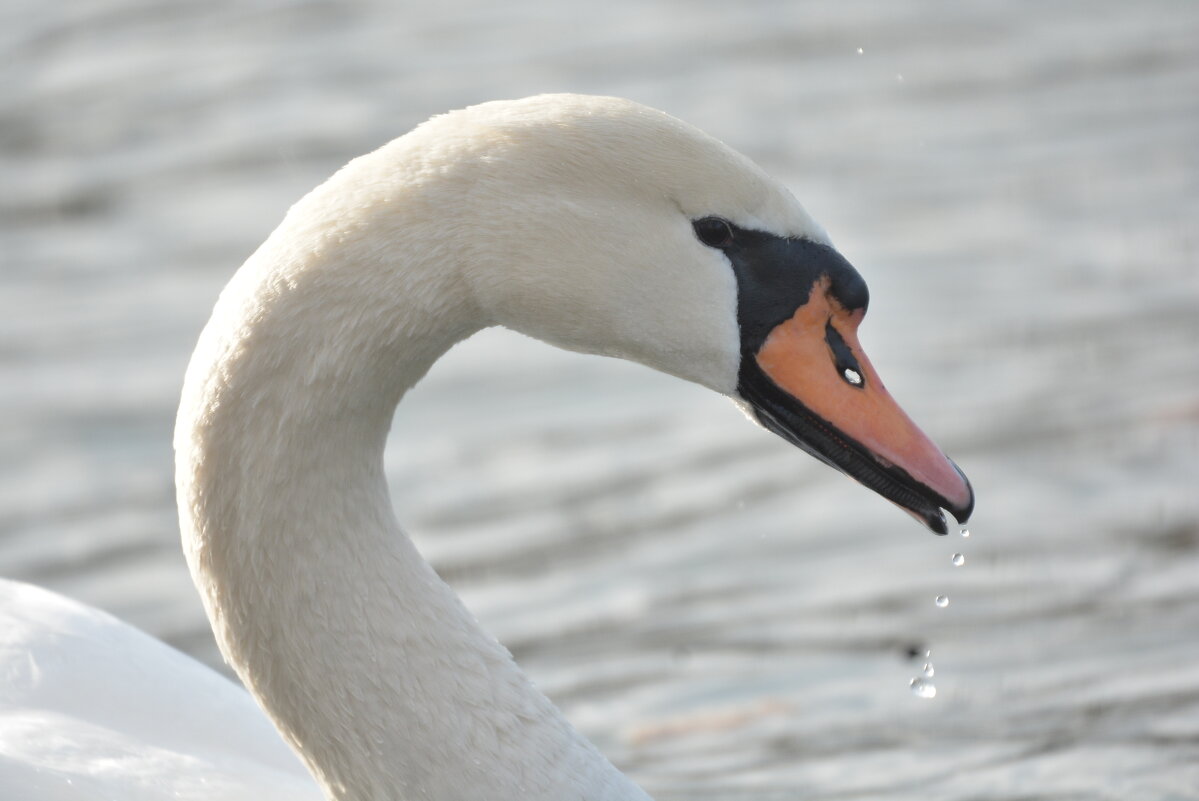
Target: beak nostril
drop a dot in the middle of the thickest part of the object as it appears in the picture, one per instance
(843, 358)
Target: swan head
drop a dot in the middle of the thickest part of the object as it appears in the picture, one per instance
(608, 227)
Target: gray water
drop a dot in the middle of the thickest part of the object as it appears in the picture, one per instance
(1019, 183)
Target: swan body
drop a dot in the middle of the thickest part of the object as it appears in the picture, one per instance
(92, 708)
(595, 224)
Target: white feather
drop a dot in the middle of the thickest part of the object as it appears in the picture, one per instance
(566, 217)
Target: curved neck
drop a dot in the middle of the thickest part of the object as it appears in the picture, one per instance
(367, 662)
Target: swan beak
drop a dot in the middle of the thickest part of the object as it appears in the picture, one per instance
(810, 382)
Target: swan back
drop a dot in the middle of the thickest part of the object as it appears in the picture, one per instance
(92, 708)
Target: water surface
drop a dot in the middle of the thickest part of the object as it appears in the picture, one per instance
(725, 617)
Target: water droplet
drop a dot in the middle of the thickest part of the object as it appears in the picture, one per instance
(922, 688)
(852, 376)
(958, 559)
(859, 51)
(942, 601)
(965, 532)
(928, 671)
(928, 654)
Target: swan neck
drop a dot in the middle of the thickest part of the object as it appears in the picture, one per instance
(369, 665)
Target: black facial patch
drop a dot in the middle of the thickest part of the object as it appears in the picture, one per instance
(775, 276)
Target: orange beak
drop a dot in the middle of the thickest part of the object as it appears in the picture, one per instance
(811, 382)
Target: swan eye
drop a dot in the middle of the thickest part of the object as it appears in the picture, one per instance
(714, 232)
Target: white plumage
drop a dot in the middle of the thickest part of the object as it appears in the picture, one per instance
(566, 217)
(92, 708)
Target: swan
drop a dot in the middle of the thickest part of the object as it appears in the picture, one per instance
(592, 223)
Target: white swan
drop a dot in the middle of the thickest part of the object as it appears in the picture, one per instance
(592, 223)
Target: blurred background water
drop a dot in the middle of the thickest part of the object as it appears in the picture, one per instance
(1019, 183)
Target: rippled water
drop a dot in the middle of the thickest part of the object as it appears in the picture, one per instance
(725, 617)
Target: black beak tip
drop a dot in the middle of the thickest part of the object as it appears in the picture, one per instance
(962, 513)
(935, 518)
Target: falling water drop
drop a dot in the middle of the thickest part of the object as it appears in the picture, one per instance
(958, 559)
(928, 671)
(942, 601)
(965, 532)
(922, 688)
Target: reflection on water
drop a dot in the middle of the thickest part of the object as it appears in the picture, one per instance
(692, 591)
